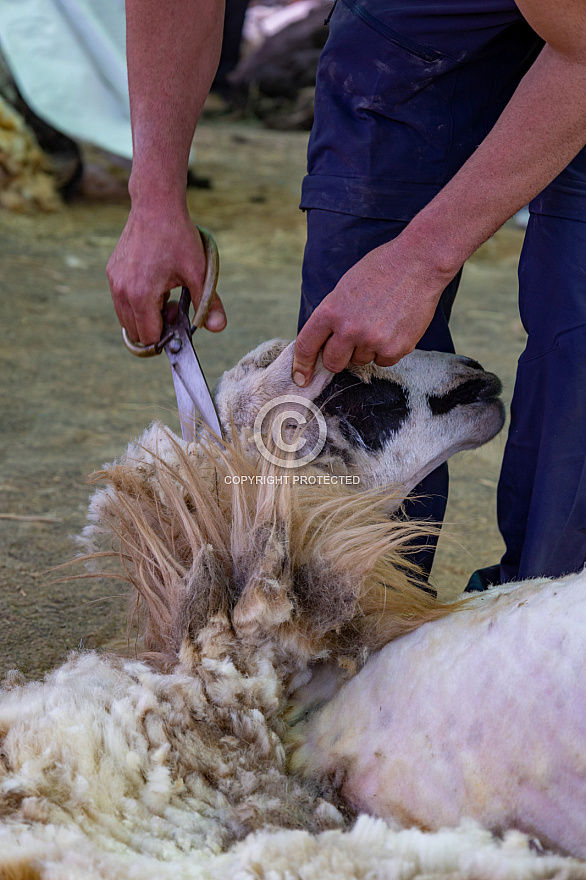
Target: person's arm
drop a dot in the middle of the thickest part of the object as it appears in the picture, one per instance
(382, 306)
(173, 50)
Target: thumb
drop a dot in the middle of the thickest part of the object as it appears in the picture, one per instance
(307, 347)
(216, 319)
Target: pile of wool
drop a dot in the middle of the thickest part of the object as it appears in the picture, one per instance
(100, 793)
(26, 182)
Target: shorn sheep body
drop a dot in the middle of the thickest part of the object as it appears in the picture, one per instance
(204, 758)
(480, 714)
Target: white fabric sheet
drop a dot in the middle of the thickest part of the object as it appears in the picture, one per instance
(68, 59)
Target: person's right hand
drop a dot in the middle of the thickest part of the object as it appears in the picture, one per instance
(158, 250)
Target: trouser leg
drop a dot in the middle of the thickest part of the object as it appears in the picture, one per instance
(335, 242)
(542, 489)
(231, 40)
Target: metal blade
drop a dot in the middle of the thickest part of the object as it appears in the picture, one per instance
(192, 392)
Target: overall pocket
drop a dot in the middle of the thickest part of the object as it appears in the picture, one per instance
(378, 16)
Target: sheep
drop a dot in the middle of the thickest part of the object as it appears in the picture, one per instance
(251, 587)
(480, 714)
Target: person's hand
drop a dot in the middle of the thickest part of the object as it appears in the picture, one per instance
(158, 250)
(378, 311)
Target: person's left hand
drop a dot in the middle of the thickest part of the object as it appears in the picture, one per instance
(378, 311)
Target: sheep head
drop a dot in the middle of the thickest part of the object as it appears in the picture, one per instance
(390, 426)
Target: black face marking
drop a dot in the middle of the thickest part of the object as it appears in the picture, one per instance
(369, 413)
(470, 362)
(485, 387)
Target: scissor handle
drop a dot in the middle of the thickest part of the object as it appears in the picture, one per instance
(203, 308)
(211, 279)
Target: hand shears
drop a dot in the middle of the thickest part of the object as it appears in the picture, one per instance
(191, 388)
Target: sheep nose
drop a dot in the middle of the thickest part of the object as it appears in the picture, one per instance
(469, 362)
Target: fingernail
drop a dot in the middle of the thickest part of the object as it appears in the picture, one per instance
(299, 379)
(215, 320)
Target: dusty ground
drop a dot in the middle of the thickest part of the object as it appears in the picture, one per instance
(72, 396)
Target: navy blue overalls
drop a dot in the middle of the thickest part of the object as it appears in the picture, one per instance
(406, 90)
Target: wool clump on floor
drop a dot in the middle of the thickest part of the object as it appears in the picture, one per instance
(26, 182)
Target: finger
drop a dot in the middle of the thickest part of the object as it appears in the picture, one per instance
(337, 353)
(122, 307)
(307, 346)
(362, 356)
(124, 312)
(126, 317)
(216, 319)
(149, 319)
(389, 361)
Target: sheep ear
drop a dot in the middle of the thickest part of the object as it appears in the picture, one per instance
(282, 367)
